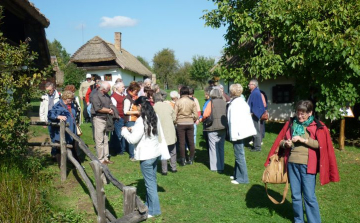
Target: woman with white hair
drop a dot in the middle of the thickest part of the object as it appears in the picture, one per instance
(216, 131)
(240, 127)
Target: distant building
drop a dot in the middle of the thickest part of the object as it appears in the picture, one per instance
(21, 22)
(110, 61)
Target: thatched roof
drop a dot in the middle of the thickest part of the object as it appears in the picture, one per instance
(98, 50)
(33, 11)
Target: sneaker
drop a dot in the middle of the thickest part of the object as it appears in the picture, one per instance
(251, 143)
(232, 177)
(234, 182)
(132, 159)
(173, 171)
(164, 173)
(150, 216)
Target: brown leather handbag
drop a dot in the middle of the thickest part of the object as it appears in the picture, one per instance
(264, 116)
(276, 173)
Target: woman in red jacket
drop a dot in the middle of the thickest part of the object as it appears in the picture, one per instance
(308, 150)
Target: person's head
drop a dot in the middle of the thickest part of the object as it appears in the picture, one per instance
(211, 83)
(174, 95)
(236, 90)
(49, 88)
(141, 84)
(70, 88)
(215, 93)
(97, 80)
(304, 109)
(148, 115)
(253, 84)
(156, 88)
(118, 80)
(67, 97)
(221, 88)
(191, 91)
(147, 82)
(104, 87)
(149, 93)
(119, 87)
(133, 88)
(207, 92)
(184, 91)
(88, 77)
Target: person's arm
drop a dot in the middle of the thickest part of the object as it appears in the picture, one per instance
(81, 91)
(42, 114)
(207, 111)
(313, 143)
(114, 101)
(87, 96)
(194, 111)
(137, 132)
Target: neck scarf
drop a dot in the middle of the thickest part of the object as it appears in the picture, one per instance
(298, 127)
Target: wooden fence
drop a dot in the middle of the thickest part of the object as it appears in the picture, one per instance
(133, 207)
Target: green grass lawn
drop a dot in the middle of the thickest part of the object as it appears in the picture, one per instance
(195, 194)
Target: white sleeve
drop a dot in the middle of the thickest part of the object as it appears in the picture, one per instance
(136, 134)
(42, 111)
(126, 106)
(114, 101)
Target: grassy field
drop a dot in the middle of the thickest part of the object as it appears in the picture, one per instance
(195, 194)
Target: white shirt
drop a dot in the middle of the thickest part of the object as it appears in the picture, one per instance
(113, 100)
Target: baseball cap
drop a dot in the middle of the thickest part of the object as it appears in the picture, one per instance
(88, 75)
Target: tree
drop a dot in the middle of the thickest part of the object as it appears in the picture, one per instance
(316, 42)
(183, 76)
(164, 66)
(144, 62)
(200, 69)
(56, 49)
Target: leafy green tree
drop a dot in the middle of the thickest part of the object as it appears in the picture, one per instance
(164, 66)
(314, 41)
(144, 62)
(19, 82)
(183, 76)
(56, 49)
(200, 69)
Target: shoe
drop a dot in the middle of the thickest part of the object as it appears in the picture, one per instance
(164, 173)
(132, 159)
(232, 177)
(173, 171)
(104, 162)
(109, 162)
(220, 171)
(120, 154)
(182, 162)
(234, 182)
(262, 143)
(150, 216)
(255, 150)
(251, 143)
(191, 161)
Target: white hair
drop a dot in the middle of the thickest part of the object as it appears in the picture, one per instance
(174, 94)
(147, 80)
(104, 85)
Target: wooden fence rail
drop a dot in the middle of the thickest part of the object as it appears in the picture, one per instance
(134, 209)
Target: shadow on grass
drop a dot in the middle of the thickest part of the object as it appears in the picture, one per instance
(86, 190)
(256, 197)
(141, 189)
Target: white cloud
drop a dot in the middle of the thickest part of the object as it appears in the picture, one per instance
(117, 21)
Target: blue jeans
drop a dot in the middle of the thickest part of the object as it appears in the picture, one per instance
(240, 169)
(148, 169)
(117, 141)
(129, 145)
(303, 184)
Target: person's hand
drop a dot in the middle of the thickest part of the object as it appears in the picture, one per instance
(298, 139)
(288, 143)
(61, 118)
(111, 112)
(87, 103)
(197, 122)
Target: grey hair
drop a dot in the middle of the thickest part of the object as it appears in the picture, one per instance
(215, 93)
(220, 86)
(118, 84)
(236, 90)
(147, 80)
(49, 84)
(255, 82)
(104, 85)
(174, 94)
(155, 87)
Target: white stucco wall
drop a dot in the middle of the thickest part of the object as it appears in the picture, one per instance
(127, 76)
(277, 112)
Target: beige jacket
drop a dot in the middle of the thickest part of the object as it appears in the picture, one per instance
(83, 88)
(185, 111)
(167, 118)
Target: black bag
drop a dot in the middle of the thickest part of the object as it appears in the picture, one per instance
(209, 120)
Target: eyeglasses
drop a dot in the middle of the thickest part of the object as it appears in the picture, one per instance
(303, 114)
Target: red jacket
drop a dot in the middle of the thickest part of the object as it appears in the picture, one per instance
(322, 158)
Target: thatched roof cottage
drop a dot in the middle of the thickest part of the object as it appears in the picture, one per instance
(110, 61)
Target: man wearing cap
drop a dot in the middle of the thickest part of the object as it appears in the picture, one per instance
(82, 92)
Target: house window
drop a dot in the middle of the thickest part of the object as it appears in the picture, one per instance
(282, 93)
(108, 77)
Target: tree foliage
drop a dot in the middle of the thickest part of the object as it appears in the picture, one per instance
(19, 82)
(200, 69)
(56, 49)
(144, 62)
(164, 66)
(73, 75)
(183, 76)
(314, 41)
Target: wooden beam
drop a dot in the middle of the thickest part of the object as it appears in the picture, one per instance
(63, 151)
(129, 200)
(100, 193)
(47, 144)
(342, 135)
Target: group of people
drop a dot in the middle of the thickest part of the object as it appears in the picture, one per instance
(140, 117)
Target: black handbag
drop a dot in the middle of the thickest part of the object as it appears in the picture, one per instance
(209, 120)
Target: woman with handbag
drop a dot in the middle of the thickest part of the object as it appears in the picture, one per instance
(216, 109)
(144, 135)
(241, 126)
(308, 150)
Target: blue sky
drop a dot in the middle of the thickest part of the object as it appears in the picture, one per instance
(147, 26)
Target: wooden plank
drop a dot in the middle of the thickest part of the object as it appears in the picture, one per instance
(133, 217)
(47, 144)
(342, 135)
(63, 151)
(129, 199)
(100, 193)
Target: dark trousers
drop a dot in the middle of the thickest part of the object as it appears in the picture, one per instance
(85, 113)
(186, 132)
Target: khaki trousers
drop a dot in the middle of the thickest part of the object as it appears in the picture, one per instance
(101, 138)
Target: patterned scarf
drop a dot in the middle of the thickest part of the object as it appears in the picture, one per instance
(298, 127)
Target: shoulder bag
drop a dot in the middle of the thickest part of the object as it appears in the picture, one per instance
(209, 120)
(264, 116)
(276, 173)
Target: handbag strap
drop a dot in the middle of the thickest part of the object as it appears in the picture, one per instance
(284, 194)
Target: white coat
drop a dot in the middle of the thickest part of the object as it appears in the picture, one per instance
(44, 104)
(239, 118)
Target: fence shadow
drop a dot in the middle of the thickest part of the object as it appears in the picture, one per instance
(141, 189)
(256, 197)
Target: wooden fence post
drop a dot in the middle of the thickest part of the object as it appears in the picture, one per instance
(100, 193)
(63, 151)
(129, 199)
(342, 135)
